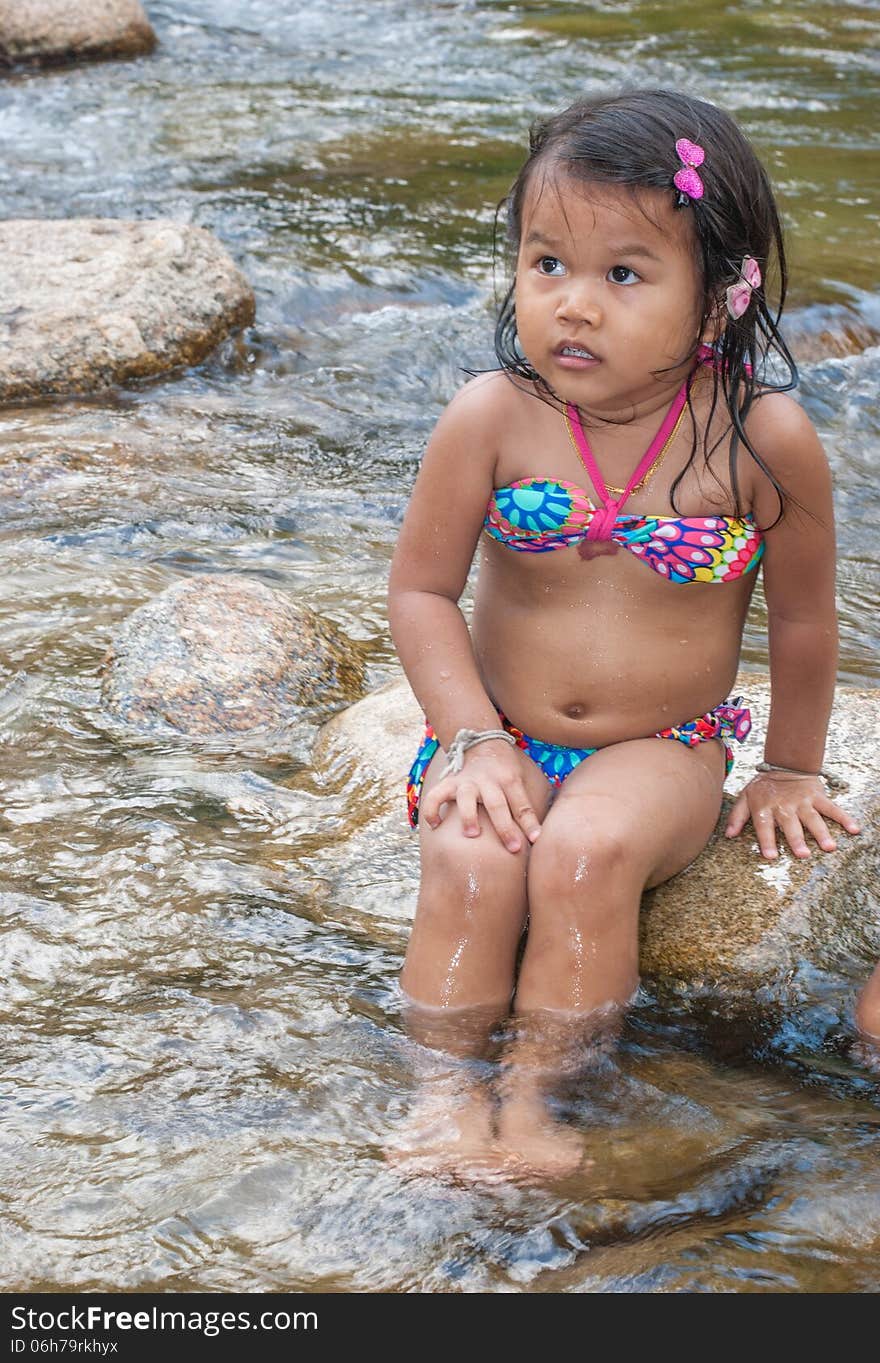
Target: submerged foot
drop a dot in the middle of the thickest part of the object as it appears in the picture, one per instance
(534, 1144)
(462, 1136)
(447, 1131)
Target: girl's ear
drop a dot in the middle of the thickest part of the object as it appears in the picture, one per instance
(715, 323)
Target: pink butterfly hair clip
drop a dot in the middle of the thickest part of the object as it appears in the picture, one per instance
(739, 295)
(686, 180)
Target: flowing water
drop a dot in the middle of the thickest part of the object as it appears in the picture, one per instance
(201, 1060)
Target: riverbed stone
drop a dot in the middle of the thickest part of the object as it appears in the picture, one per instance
(91, 302)
(225, 655)
(828, 330)
(730, 919)
(50, 31)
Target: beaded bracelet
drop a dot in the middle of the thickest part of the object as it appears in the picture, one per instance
(469, 738)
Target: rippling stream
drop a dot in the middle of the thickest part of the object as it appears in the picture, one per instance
(202, 1057)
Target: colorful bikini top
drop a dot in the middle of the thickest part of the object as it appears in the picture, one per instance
(535, 515)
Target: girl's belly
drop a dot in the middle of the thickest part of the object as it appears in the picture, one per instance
(594, 669)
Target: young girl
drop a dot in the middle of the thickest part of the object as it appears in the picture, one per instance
(636, 440)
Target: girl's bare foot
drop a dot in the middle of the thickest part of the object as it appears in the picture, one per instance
(544, 1048)
(533, 1141)
(448, 1130)
(451, 1125)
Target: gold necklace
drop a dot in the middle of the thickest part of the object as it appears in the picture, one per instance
(646, 478)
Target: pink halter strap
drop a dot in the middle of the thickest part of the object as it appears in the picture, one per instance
(603, 520)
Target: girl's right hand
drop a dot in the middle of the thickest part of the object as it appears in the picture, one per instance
(490, 777)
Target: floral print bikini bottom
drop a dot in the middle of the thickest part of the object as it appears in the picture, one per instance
(728, 721)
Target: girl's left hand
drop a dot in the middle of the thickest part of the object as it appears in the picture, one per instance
(796, 804)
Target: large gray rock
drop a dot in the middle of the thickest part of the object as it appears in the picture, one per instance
(731, 916)
(224, 655)
(90, 302)
(67, 30)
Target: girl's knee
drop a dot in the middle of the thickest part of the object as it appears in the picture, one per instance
(575, 857)
(466, 876)
(469, 919)
(446, 853)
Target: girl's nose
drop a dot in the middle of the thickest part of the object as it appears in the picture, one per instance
(579, 305)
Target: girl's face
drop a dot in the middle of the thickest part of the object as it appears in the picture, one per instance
(605, 296)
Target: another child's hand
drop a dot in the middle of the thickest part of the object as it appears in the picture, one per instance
(492, 779)
(796, 804)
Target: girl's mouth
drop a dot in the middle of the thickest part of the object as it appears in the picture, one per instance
(575, 357)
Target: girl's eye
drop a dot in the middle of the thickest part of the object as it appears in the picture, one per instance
(550, 265)
(618, 274)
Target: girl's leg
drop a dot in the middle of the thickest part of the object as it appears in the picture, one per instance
(629, 817)
(459, 974)
(471, 909)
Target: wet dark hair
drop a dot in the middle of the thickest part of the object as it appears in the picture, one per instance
(628, 140)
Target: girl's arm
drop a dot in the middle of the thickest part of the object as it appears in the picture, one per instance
(799, 563)
(428, 575)
(430, 567)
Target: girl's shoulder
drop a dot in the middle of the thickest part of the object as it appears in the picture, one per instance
(495, 397)
(783, 435)
(786, 441)
(478, 420)
(781, 425)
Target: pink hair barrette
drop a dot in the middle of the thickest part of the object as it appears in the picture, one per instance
(687, 180)
(739, 295)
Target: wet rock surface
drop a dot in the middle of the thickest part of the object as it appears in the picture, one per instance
(733, 914)
(92, 302)
(822, 330)
(225, 655)
(730, 918)
(52, 31)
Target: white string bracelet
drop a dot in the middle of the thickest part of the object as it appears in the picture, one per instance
(789, 771)
(771, 769)
(469, 738)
